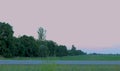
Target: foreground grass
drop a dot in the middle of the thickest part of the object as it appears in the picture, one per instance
(54, 67)
(81, 57)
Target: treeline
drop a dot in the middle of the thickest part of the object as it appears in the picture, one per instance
(28, 46)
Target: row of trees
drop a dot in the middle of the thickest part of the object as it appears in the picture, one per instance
(28, 46)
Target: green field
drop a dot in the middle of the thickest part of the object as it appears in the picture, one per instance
(81, 57)
(54, 67)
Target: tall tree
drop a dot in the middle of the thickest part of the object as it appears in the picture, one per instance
(43, 51)
(73, 51)
(73, 48)
(61, 51)
(41, 34)
(6, 40)
(52, 46)
(30, 47)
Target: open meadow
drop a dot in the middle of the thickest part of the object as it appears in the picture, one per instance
(80, 57)
(66, 67)
(54, 67)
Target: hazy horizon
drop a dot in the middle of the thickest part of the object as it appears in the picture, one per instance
(90, 25)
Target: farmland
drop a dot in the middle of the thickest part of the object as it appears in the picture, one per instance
(81, 57)
(54, 67)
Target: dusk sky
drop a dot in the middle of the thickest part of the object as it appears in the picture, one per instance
(90, 25)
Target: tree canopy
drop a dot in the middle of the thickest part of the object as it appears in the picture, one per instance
(41, 34)
(6, 40)
(28, 46)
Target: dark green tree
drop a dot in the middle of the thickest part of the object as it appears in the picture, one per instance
(61, 51)
(19, 47)
(52, 46)
(43, 51)
(29, 45)
(6, 40)
(80, 52)
(74, 52)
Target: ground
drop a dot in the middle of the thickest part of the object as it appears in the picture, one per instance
(80, 57)
(54, 67)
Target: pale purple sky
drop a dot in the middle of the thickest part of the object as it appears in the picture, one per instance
(91, 25)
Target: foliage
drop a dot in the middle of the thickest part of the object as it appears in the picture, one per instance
(74, 52)
(43, 51)
(28, 46)
(61, 51)
(52, 48)
(6, 40)
(41, 34)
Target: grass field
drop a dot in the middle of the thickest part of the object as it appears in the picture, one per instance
(55, 67)
(81, 57)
